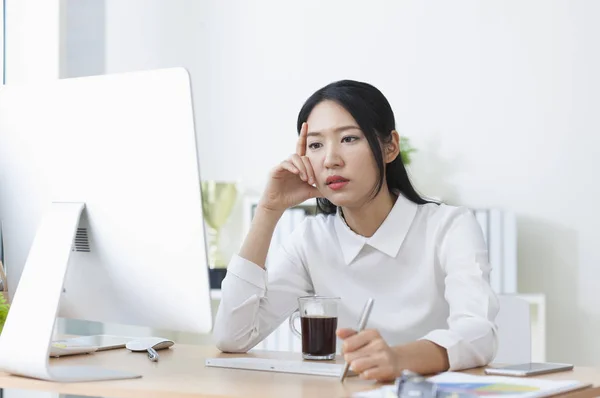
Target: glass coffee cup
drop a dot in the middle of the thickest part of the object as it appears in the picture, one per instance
(318, 318)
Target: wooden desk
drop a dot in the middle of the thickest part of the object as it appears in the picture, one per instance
(181, 373)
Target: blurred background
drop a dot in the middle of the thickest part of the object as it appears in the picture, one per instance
(500, 99)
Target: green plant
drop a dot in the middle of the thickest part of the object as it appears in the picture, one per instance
(406, 149)
(4, 307)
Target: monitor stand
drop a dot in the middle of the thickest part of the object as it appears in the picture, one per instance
(25, 339)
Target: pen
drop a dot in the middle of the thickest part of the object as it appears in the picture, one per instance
(152, 354)
(364, 317)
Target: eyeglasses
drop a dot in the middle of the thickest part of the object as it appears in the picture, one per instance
(413, 385)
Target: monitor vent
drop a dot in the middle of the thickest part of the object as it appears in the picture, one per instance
(81, 243)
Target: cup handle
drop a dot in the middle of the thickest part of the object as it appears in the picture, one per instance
(295, 315)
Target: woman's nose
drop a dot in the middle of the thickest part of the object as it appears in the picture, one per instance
(333, 159)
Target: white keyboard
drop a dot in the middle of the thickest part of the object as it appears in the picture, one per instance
(59, 349)
(278, 365)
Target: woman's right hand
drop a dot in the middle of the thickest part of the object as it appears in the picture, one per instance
(291, 181)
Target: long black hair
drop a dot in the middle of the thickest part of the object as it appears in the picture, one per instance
(374, 115)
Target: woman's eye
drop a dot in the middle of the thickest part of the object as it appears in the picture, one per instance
(314, 145)
(349, 138)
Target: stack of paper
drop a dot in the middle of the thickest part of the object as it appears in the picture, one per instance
(488, 386)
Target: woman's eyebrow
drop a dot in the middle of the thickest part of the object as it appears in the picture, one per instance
(336, 130)
(344, 128)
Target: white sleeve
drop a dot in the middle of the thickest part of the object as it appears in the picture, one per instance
(471, 338)
(255, 301)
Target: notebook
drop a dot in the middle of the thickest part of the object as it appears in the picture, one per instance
(278, 365)
(489, 386)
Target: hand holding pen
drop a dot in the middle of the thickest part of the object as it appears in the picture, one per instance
(366, 352)
(351, 334)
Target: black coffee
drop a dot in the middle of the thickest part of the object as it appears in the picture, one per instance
(318, 335)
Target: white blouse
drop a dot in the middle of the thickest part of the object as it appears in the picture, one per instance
(426, 267)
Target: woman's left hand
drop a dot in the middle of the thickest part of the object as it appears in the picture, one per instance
(369, 355)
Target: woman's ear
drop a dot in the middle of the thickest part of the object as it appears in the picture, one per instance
(392, 148)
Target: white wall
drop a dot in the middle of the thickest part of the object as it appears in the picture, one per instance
(498, 96)
(83, 49)
(33, 47)
(501, 98)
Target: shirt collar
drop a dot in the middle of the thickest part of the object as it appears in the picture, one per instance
(387, 239)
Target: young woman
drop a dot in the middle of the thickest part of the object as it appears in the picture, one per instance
(425, 264)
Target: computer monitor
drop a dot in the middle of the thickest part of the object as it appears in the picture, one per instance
(100, 174)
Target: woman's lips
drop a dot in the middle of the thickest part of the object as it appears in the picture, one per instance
(336, 182)
(337, 185)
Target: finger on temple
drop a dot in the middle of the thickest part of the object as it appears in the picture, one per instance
(301, 144)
